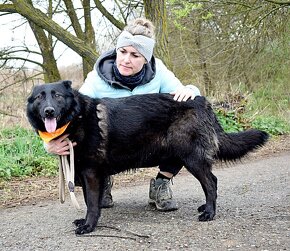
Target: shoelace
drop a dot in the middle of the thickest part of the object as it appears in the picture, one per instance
(108, 185)
(163, 189)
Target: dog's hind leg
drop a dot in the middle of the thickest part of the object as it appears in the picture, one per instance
(202, 172)
(92, 189)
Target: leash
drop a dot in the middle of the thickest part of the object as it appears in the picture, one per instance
(67, 174)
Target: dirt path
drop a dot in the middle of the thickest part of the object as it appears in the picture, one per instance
(253, 213)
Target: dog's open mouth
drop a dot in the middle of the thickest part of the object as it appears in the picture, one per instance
(50, 124)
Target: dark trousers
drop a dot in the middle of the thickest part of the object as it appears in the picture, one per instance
(171, 166)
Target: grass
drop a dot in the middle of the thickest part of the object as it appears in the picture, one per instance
(266, 108)
(258, 110)
(273, 98)
(22, 154)
(269, 107)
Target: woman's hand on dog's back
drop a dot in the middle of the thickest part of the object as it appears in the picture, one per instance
(58, 146)
(186, 92)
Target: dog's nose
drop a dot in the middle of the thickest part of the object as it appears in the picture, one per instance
(49, 111)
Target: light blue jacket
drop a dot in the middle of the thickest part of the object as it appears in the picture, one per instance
(99, 83)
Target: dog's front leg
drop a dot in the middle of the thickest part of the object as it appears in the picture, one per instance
(92, 189)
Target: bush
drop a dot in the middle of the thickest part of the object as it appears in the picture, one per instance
(234, 117)
(229, 121)
(271, 124)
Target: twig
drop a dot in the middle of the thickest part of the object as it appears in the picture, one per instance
(107, 235)
(7, 114)
(115, 236)
(127, 231)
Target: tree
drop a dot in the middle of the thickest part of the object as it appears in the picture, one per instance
(41, 22)
(45, 43)
(156, 12)
(213, 41)
(221, 42)
(78, 34)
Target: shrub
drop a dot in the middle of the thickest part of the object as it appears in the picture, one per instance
(271, 124)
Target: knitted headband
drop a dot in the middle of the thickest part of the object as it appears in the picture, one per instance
(144, 45)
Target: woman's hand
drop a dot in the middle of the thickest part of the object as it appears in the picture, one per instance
(185, 92)
(59, 146)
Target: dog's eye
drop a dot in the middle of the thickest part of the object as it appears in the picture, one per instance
(57, 95)
(39, 97)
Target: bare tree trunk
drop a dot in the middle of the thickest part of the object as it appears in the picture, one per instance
(49, 65)
(202, 61)
(156, 12)
(51, 72)
(89, 37)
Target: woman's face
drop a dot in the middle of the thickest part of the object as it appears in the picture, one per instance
(129, 61)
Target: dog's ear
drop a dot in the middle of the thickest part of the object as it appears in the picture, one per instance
(30, 99)
(35, 90)
(67, 83)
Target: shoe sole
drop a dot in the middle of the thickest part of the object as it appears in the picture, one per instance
(151, 202)
(107, 206)
(161, 209)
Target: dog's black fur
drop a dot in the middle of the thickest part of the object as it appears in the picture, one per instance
(114, 135)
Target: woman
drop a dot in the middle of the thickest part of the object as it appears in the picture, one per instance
(131, 69)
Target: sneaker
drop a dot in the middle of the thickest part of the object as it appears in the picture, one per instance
(107, 200)
(160, 195)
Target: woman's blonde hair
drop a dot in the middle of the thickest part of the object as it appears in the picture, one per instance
(141, 26)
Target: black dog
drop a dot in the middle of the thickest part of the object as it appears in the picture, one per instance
(114, 135)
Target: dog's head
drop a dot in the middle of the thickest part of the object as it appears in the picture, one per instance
(50, 106)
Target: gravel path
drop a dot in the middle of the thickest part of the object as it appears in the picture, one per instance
(253, 213)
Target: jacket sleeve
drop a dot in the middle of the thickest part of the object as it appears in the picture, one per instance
(89, 86)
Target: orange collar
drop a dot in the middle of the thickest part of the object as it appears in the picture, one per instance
(48, 136)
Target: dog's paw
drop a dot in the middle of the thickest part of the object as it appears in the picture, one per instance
(84, 229)
(206, 216)
(201, 208)
(79, 222)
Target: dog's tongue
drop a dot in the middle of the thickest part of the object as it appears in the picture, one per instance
(50, 124)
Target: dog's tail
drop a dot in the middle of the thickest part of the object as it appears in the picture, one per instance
(234, 146)
(230, 146)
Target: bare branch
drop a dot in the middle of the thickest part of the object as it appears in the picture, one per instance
(8, 114)
(108, 15)
(278, 2)
(7, 8)
(36, 16)
(22, 59)
(74, 19)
